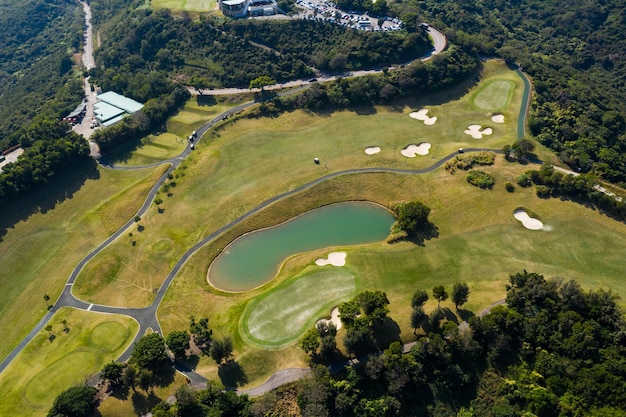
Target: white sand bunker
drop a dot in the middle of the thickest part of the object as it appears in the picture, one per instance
(497, 118)
(334, 319)
(422, 115)
(476, 132)
(371, 150)
(527, 221)
(412, 150)
(334, 259)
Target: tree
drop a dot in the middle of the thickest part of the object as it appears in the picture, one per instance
(200, 330)
(178, 343)
(440, 294)
(417, 318)
(79, 401)
(374, 305)
(348, 313)
(412, 217)
(221, 350)
(523, 148)
(187, 403)
(262, 81)
(357, 340)
(145, 379)
(113, 372)
(419, 298)
(310, 342)
(129, 377)
(65, 328)
(460, 293)
(150, 352)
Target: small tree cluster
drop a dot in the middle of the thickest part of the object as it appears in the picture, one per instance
(359, 316)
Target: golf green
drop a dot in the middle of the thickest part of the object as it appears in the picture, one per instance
(495, 95)
(284, 314)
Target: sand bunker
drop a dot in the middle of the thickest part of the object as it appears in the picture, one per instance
(422, 115)
(412, 150)
(371, 150)
(334, 318)
(497, 118)
(476, 132)
(334, 259)
(527, 221)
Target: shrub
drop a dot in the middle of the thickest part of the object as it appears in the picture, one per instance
(468, 161)
(523, 180)
(543, 191)
(480, 179)
(509, 187)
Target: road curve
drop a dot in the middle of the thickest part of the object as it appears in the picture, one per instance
(440, 43)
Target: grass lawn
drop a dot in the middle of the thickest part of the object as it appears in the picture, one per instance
(494, 96)
(186, 5)
(164, 145)
(39, 251)
(45, 368)
(138, 403)
(284, 314)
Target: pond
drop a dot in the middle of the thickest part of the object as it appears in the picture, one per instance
(255, 258)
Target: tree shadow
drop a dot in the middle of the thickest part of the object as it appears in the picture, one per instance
(449, 315)
(142, 404)
(232, 374)
(120, 391)
(206, 100)
(386, 333)
(44, 198)
(426, 232)
(164, 376)
(188, 364)
(465, 314)
(363, 110)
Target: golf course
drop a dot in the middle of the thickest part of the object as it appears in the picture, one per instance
(245, 162)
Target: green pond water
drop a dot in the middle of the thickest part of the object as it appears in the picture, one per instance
(254, 259)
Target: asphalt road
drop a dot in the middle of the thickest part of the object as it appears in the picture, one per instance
(440, 43)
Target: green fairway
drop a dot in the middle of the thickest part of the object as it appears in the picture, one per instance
(286, 313)
(168, 144)
(494, 96)
(38, 254)
(186, 5)
(47, 367)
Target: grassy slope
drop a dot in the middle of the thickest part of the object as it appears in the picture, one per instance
(38, 254)
(45, 368)
(172, 141)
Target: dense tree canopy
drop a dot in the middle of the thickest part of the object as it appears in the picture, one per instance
(150, 352)
(574, 52)
(78, 401)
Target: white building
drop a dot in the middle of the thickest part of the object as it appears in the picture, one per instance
(245, 8)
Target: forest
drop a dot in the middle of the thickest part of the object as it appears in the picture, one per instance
(553, 350)
(573, 51)
(36, 79)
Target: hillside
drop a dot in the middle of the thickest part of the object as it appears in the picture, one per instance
(574, 52)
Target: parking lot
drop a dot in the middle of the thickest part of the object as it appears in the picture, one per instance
(328, 11)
